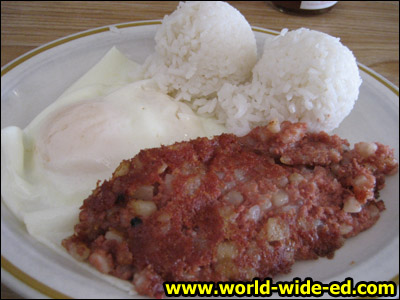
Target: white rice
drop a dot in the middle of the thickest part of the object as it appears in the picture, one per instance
(205, 54)
(199, 47)
(302, 76)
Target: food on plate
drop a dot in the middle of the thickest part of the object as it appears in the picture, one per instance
(110, 114)
(302, 76)
(33, 177)
(230, 208)
(206, 54)
(199, 47)
(272, 194)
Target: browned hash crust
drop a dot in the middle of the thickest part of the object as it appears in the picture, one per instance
(230, 208)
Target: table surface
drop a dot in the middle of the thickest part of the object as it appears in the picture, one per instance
(369, 28)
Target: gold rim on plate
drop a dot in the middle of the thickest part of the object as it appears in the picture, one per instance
(32, 282)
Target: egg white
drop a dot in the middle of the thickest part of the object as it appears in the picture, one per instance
(108, 115)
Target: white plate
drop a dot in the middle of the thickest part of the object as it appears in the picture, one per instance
(33, 81)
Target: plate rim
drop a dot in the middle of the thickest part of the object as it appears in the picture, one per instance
(24, 57)
(19, 275)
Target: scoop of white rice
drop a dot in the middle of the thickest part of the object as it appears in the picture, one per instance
(199, 47)
(303, 75)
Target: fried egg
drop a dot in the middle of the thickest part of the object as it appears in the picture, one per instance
(108, 115)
